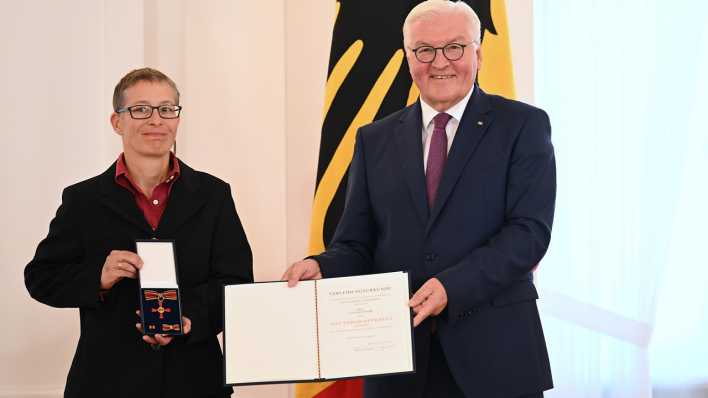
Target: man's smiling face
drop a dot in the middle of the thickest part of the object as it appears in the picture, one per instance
(443, 83)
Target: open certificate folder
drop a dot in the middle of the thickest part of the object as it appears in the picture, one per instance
(318, 330)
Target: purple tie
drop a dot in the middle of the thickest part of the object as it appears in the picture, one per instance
(437, 156)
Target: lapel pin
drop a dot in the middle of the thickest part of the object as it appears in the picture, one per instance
(479, 122)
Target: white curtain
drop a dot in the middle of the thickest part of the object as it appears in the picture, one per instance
(625, 85)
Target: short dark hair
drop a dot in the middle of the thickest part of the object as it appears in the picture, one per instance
(140, 75)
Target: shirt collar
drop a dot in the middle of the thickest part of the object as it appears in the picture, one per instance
(172, 173)
(455, 111)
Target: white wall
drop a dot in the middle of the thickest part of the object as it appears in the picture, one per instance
(252, 78)
(308, 38)
(520, 15)
(58, 67)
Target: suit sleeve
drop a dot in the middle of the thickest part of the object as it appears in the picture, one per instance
(59, 275)
(231, 262)
(351, 250)
(511, 254)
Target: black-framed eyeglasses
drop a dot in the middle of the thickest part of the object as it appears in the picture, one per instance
(452, 51)
(144, 111)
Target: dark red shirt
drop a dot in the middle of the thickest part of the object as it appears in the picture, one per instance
(155, 205)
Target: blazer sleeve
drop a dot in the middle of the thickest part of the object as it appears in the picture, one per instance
(59, 275)
(512, 253)
(231, 262)
(351, 250)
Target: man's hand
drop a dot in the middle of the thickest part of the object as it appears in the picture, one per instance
(163, 339)
(119, 264)
(302, 270)
(429, 300)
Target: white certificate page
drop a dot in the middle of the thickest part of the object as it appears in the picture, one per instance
(270, 332)
(365, 325)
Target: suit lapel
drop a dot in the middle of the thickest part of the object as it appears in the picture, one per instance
(409, 147)
(474, 124)
(185, 200)
(119, 200)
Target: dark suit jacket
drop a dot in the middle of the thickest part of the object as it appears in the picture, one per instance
(489, 227)
(97, 216)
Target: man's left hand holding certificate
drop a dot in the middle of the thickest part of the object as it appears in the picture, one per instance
(321, 329)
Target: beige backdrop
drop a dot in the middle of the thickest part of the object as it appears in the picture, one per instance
(252, 76)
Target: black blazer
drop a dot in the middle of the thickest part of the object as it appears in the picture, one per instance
(97, 216)
(489, 227)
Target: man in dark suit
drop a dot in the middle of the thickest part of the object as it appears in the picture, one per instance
(88, 259)
(459, 190)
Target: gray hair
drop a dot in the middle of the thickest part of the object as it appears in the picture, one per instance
(430, 8)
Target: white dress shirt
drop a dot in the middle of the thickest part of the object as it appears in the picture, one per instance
(429, 113)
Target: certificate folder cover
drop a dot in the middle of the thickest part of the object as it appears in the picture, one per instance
(320, 330)
(160, 304)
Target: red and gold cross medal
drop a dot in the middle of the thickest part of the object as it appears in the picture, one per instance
(160, 297)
